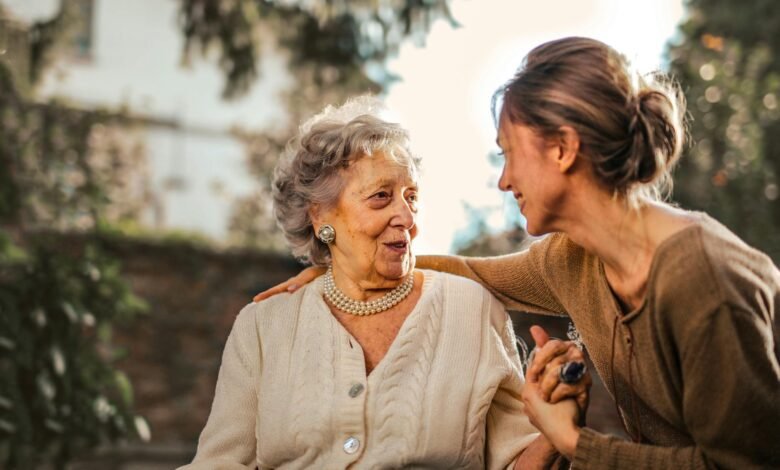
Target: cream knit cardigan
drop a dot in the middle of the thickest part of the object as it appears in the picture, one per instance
(292, 390)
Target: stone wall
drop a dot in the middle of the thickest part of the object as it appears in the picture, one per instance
(173, 352)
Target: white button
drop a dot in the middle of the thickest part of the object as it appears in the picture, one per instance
(351, 445)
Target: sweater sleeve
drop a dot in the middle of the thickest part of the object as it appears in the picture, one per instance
(228, 441)
(731, 385)
(518, 280)
(508, 429)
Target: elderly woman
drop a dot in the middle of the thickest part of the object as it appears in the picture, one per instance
(375, 364)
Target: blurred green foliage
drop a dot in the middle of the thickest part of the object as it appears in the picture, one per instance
(336, 38)
(728, 62)
(59, 392)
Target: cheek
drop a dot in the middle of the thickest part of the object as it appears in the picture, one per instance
(413, 232)
(364, 232)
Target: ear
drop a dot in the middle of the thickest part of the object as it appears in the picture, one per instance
(568, 148)
(315, 214)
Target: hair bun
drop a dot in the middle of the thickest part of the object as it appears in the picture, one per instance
(656, 133)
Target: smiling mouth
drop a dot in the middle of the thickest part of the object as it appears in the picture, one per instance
(399, 246)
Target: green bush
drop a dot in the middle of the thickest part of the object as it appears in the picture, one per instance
(60, 394)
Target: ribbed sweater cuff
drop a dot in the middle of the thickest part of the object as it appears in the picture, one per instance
(587, 454)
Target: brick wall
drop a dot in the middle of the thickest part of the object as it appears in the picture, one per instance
(174, 351)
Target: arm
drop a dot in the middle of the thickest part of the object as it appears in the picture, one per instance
(291, 285)
(511, 440)
(730, 404)
(228, 440)
(518, 280)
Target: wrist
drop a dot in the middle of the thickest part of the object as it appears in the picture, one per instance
(567, 444)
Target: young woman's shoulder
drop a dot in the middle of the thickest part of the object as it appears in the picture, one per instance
(711, 265)
(733, 260)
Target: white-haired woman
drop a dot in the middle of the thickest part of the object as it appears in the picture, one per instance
(375, 364)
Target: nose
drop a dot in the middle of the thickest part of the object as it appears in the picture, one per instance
(503, 181)
(405, 216)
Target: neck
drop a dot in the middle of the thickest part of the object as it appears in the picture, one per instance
(619, 235)
(362, 287)
(625, 239)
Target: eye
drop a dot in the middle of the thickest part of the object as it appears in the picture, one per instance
(411, 199)
(381, 195)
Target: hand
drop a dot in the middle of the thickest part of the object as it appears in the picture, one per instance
(556, 421)
(547, 361)
(540, 453)
(292, 284)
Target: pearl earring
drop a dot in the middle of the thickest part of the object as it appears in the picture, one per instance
(326, 234)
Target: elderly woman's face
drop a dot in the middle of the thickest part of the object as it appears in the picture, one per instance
(375, 220)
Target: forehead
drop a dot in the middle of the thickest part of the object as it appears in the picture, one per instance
(505, 127)
(503, 133)
(380, 169)
(511, 134)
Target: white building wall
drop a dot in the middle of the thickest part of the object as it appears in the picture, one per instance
(136, 64)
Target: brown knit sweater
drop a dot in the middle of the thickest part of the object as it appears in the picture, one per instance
(694, 370)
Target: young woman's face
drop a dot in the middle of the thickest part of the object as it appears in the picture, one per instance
(531, 174)
(375, 220)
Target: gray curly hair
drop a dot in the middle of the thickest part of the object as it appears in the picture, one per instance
(311, 169)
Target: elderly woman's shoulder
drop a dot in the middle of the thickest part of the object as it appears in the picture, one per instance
(455, 281)
(279, 303)
(461, 289)
(468, 301)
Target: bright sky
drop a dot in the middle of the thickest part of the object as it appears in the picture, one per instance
(444, 96)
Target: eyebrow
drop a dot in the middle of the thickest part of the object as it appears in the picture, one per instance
(378, 184)
(375, 184)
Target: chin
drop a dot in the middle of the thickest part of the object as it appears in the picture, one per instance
(396, 269)
(533, 231)
(536, 229)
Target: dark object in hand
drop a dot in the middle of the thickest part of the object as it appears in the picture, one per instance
(571, 372)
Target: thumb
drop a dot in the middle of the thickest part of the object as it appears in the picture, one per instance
(539, 335)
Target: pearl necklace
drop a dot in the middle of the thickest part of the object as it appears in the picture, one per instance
(360, 307)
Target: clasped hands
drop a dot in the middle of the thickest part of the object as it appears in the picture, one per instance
(556, 408)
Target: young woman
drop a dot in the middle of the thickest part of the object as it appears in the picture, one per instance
(678, 314)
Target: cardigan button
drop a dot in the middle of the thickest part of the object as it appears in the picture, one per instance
(351, 445)
(355, 390)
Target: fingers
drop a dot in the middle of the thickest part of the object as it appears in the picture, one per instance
(539, 335)
(543, 355)
(292, 284)
(309, 274)
(550, 379)
(545, 370)
(530, 397)
(583, 399)
(286, 286)
(554, 391)
(563, 391)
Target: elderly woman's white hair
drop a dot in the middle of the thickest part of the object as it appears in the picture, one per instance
(311, 169)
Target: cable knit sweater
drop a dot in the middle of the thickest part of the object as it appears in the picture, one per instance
(695, 367)
(292, 390)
